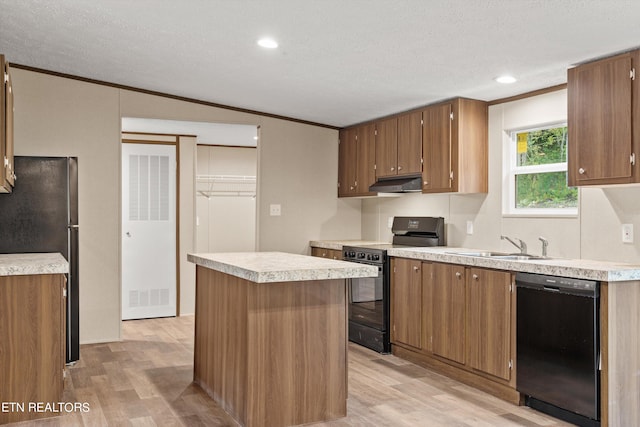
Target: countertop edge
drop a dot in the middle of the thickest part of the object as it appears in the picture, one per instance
(606, 272)
(319, 269)
(26, 264)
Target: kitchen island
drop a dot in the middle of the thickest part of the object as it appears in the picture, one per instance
(271, 335)
(32, 350)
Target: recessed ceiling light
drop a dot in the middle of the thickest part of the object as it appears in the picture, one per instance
(506, 79)
(268, 43)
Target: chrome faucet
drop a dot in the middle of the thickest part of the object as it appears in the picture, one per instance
(522, 246)
(545, 244)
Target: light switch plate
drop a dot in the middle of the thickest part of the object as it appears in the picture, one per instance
(469, 227)
(275, 210)
(627, 233)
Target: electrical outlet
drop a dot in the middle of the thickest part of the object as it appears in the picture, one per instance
(469, 227)
(275, 210)
(627, 233)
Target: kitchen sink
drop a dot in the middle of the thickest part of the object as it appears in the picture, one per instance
(500, 255)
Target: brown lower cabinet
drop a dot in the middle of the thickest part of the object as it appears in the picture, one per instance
(326, 253)
(32, 350)
(457, 320)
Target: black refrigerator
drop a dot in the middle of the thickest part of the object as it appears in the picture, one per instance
(41, 215)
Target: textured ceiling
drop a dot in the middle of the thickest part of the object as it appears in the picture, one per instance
(339, 62)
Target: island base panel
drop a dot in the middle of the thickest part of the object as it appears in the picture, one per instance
(272, 354)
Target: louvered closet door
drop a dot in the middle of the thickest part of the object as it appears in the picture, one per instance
(148, 231)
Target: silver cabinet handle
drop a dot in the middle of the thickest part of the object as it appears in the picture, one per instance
(475, 277)
(399, 168)
(458, 274)
(581, 171)
(415, 268)
(426, 183)
(392, 168)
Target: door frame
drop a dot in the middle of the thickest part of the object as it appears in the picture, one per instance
(151, 139)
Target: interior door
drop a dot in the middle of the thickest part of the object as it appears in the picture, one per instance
(148, 231)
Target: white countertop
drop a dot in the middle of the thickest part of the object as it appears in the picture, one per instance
(27, 264)
(576, 268)
(269, 267)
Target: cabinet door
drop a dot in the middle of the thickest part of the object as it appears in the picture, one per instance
(427, 304)
(448, 311)
(406, 302)
(489, 321)
(436, 148)
(32, 347)
(387, 148)
(9, 171)
(600, 120)
(410, 143)
(334, 254)
(347, 162)
(366, 159)
(319, 252)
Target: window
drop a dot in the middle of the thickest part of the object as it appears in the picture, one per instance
(536, 173)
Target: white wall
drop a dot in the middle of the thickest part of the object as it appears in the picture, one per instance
(226, 223)
(187, 231)
(297, 167)
(594, 234)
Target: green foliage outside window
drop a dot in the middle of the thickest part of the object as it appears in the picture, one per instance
(543, 189)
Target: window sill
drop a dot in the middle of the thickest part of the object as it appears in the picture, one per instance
(549, 215)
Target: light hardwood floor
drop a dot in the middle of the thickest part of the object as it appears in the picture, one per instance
(146, 380)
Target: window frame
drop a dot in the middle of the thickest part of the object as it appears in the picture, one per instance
(511, 170)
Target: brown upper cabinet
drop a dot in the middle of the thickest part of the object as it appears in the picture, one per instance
(7, 174)
(356, 161)
(603, 113)
(446, 142)
(399, 146)
(455, 147)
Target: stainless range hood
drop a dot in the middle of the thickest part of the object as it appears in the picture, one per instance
(404, 184)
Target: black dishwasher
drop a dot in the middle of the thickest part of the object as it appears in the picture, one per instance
(558, 346)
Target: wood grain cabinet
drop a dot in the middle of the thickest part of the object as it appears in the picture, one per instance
(356, 161)
(457, 320)
(406, 302)
(32, 349)
(455, 147)
(603, 116)
(326, 253)
(399, 146)
(448, 305)
(489, 322)
(7, 174)
(446, 143)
